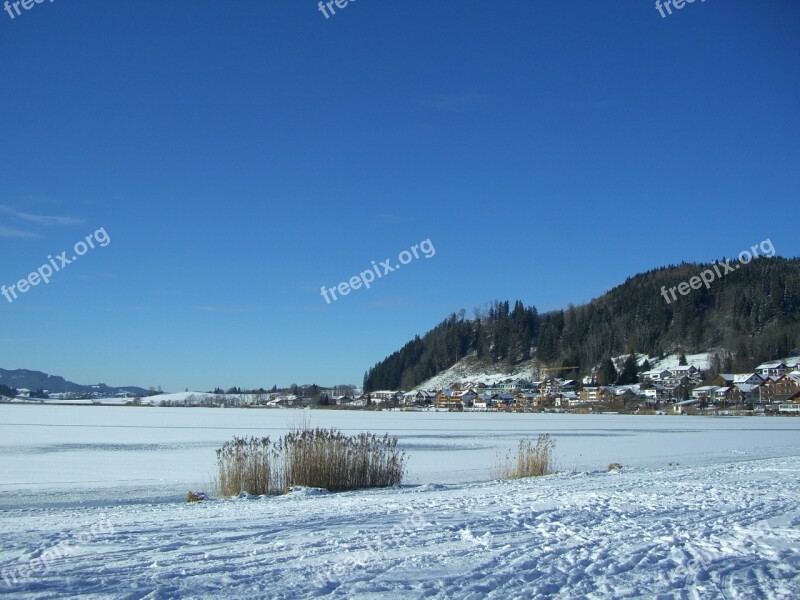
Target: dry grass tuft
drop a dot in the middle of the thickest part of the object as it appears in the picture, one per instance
(321, 458)
(531, 460)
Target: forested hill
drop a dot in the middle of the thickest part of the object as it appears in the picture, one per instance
(752, 313)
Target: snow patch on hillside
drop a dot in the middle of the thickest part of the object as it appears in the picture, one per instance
(478, 371)
(701, 362)
(472, 369)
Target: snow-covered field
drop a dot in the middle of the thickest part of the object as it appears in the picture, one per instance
(91, 505)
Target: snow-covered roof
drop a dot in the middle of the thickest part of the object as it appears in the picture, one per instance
(621, 390)
(742, 377)
(775, 364)
(634, 387)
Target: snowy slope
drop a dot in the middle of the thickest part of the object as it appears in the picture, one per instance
(702, 531)
(474, 370)
(701, 362)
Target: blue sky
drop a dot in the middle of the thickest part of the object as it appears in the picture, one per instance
(241, 155)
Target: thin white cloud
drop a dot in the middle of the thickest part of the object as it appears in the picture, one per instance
(10, 232)
(41, 219)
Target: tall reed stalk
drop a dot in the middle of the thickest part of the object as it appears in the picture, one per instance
(531, 460)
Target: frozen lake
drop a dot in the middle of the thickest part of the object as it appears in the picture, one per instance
(169, 450)
(108, 483)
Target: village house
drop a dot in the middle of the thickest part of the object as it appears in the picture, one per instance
(781, 389)
(744, 394)
(655, 393)
(340, 400)
(526, 400)
(568, 398)
(557, 386)
(651, 395)
(596, 394)
(674, 385)
(419, 398)
(568, 385)
(513, 385)
(465, 397)
(773, 369)
(624, 394)
(445, 400)
(792, 406)
(483, 402)
(385, 396)
(350, 402)
(503, 401)
(704, 393)
(735, 378)
(654, 375)
(690, 372)
(724, 395)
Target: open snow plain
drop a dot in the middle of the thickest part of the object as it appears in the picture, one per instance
(91, 506)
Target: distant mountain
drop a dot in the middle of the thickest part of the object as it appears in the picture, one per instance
(747, 316)
(36, 380)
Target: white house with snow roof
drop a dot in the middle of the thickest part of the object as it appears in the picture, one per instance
(773, 369)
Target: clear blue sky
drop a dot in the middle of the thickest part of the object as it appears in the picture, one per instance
(240, 155)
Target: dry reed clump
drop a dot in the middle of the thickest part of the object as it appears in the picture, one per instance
(322, 458)
(531, 460)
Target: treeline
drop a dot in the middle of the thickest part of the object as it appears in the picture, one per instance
(752, 313)
(496, 333)
(320, 395)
